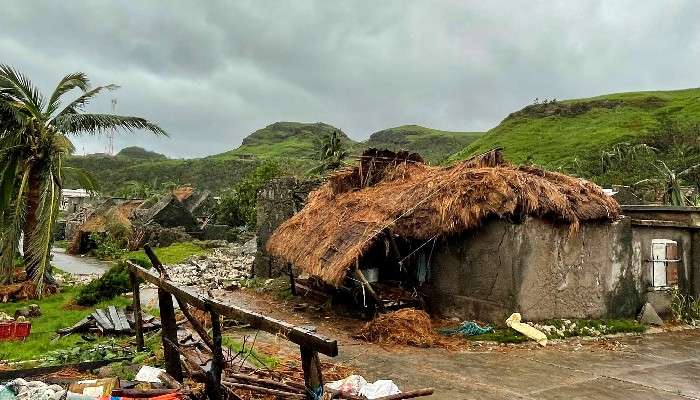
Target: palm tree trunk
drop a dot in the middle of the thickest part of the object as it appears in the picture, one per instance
(31, 223)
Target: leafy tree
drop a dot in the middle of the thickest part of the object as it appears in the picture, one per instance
(331, 153)
(237, 205)
(34, 142)
(672, 183)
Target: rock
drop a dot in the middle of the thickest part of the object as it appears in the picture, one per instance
(648, 316)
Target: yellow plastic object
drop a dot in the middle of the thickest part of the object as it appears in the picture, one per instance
(514, 322)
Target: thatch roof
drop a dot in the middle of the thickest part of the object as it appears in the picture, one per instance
(109, 212)
(349, 213)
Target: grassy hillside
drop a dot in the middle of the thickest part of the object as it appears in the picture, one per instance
(434, 145)
(560, 133)
(113, 171)
(286, 140)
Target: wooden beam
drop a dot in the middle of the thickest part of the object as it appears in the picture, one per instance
(313, 379)
(213, 385)
(169, 334)
(138, 318)
(255, 320)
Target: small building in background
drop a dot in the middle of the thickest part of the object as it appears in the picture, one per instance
(72, 199)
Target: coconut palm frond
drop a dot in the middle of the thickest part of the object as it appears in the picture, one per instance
(98, 123)
(18, 87)
(78, 105)
(689, 171)
(69, 82)
(85, 179)
(39, 249)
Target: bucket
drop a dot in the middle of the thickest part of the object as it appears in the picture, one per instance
(371, 274)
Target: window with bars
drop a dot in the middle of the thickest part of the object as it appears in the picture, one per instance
(664, 263)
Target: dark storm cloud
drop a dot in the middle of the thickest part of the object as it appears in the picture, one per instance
(211, 72)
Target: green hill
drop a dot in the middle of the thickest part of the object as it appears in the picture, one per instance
(293, 140)
(434, 145)
(112, 172)
(559, 133)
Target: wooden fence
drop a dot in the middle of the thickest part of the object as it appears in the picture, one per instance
(310, 344)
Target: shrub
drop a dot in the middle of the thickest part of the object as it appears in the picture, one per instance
(684, 308)
(114, 282)
(107, 247)
(237, 206)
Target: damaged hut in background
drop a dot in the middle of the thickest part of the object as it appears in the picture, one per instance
(479, 239)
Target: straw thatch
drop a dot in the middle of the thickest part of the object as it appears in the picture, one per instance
(407, 326)
(352, 210)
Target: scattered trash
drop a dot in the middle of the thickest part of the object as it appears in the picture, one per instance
(149, 374)
(649, 316)
(94, 387)
(21, 389)
(514, 322)
(467, 328)
(356, 385)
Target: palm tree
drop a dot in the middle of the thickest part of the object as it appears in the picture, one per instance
(34, 141)
(671, 182)
(331, 153)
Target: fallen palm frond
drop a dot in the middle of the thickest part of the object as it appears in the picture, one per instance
(349, 213)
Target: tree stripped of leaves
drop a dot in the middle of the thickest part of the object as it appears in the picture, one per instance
(35, 137)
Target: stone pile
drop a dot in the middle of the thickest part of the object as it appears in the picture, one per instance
(220, 268)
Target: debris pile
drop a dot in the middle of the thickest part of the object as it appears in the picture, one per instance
(403, 327)
(111, 320)
(221, 268)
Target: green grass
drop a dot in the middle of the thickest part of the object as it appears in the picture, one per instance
(610, 326)
(533, 135)
(432, 144)
(254, 357)
(61, 244)
(57, 313)
(173, 254)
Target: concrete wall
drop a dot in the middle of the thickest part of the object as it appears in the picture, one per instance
(537, 269)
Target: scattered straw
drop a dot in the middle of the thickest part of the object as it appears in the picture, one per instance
(403, 327)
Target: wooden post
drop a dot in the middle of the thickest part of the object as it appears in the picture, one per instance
(169, 333)
(213, 387)
(138, 320)
(292, 285)
(313, 379)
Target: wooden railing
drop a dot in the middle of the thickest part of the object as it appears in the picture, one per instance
(310, 344)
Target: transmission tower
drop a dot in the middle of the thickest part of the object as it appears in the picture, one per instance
(110, 134)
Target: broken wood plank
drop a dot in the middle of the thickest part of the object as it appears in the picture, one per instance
(102, 320)
(408, 395)
(260, 389)
(255, 320)
(122, 319)
(116, 319)
(242, 378)
(80, 325)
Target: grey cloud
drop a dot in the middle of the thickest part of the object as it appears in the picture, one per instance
(212, 72)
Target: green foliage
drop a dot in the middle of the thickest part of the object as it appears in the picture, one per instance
(249, 354)
(140, 153)
(331, 153)
(564, 328)
(58, 311)
(505, 335)
(435, 146)
(114, 282)
(238, 205)
(107, 247)
(684, 308)
(84, 352)
(173, 254)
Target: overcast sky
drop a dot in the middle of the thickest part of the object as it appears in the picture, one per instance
(211, 72)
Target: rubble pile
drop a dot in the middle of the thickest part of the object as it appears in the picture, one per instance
(221, 268)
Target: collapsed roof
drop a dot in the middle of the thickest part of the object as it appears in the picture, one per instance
(351, 211)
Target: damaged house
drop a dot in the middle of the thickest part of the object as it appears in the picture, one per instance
(480, 239)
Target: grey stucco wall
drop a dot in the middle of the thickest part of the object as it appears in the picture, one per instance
(277, 202)
(538, 269)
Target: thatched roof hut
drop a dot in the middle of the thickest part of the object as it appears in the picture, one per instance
(355, 207)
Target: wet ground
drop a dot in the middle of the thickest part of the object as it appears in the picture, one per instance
(78, 265)
(651, 366)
